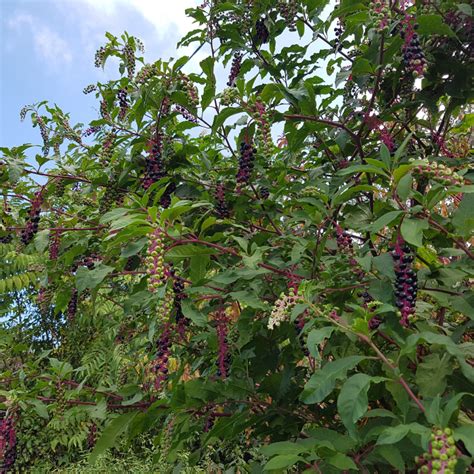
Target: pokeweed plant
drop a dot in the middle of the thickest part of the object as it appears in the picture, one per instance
(280, 262)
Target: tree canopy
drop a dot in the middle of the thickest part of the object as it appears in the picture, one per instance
(270, 272)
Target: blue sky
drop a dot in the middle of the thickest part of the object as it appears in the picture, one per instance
(47, 51)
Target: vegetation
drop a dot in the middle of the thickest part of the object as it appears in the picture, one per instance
(272, 275)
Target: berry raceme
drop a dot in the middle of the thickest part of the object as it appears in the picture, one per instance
(160, 363)
(54, 243)
(72, 305)
(44, 134)
(123, 103)
(413, 56)
(99, 57)
(31, 227)
(438, 172)
(262, 118)
(381, 15)
(222, 209)
(89, 89)
(406, 287)
(165, 199)
(223, 358)
(130, 62)
(8, 442)
(442, 455)
(246, 163)
(108, 147)
(235, 69)
(288, 10)
(154, 166)
(282, 308)
(299, 324)
(185, 113)
(262, 35)
(155, 260)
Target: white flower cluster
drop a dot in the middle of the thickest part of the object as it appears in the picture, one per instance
(282, 309)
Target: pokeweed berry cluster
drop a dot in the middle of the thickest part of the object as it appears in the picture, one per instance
(438, 172)
(190, 89)
(89, 89)
(235, 69)
(165, 199)
(178, 296)
(72, 305)
(223, 356)
(413, 56)
(123, 103)
(90, 131)
(262, 35)
(92, 436)
(129, 56)
(54, 243)
(374, 123)
(345, 245)
(229, 96)
(288, 10)
(246, 163)
(222, 209)
(108, 147)
(154, 166)
(88, 262)
(154, 261)
(6, 239)
(262, 118)
(146, 73)
(44, 133)
(442, 453)
(99, 57)
(113, 196)
(185, 113)
(406, 286)
(299, 324)
(61, 402)
(264, 192)
(104, 110)
(8, 442)
(32, 222)
(381, 15)
(281, 310)
(160, 363)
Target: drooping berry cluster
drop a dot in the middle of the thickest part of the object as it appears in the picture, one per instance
(69, 132)
(229, 96)
(8, 441)
(374, 123)
(129, 55)
(246, 163)
(92, 436)
(222, 209)
(186, 114)
(146, 73)
(88, 89)
(113, 196)
(264, 192)
(282, 308)
(72, 305)
(264, 137)
(223, 356)
(288, 10)
(6, 239)
(108, 147)
(262, 35)
(442, 453)
(155, 169)
(123, 103)
(54, 243)
(155, 260)
(210, 420)
(99, 57)
(438, 172)
(31, 227)
(91, 130)
(406, 286)
(165, 199)
(299, 324)
(235, 69)
(88, 262)
(346, 246)
(104, 110)
(44, 134)
(43, 300)
(190, 89)
(460, 147)
(61, 402)
(160, 363)
(413, 56)
(381, 14)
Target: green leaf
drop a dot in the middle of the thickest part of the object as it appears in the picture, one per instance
(282, 461)
(189, 250)
(412, 231)
(316, 337)
(198, 318)
(433, 25)
(249, 299)
(394, 434)
(283, 447)
(431, 374)
(384, 220)
(91, 278)
(463, 217)
(466, 435)
(342, 462)
(322, 383)
(393, 456)
(111, 434)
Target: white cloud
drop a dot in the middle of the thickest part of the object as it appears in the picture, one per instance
(48, 45)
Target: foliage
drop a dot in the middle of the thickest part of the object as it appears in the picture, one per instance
(277, 270)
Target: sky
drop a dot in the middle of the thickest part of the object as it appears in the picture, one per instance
(47, 52)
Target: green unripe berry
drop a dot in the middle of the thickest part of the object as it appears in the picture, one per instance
(443, 457)
(436, 464)
(435, 453)
(451, 441)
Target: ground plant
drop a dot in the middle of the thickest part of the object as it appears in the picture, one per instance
(257, 258)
